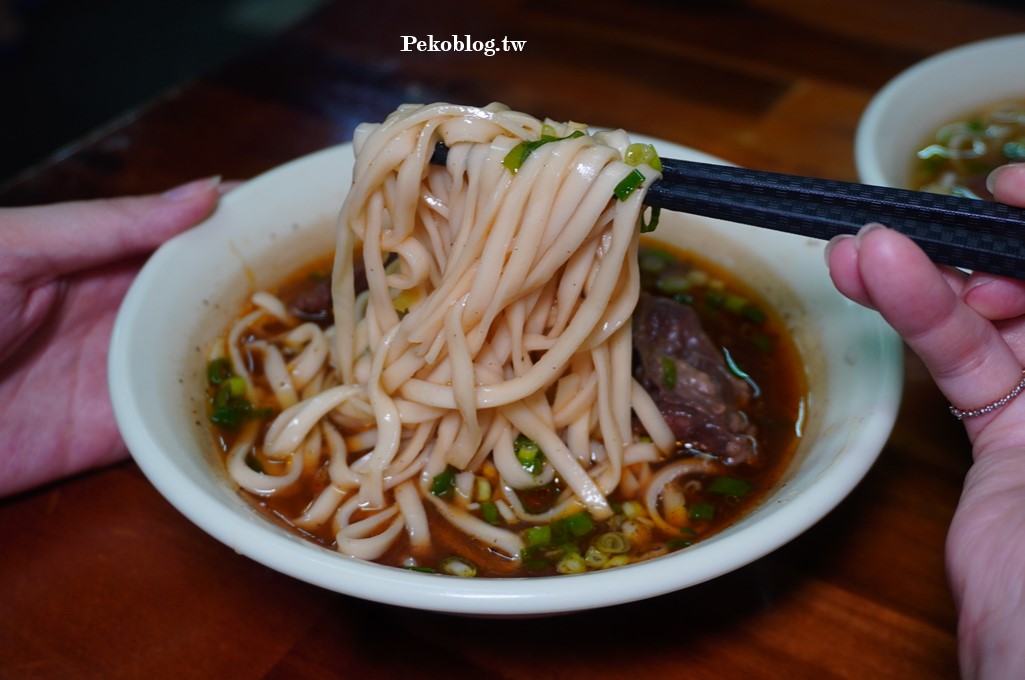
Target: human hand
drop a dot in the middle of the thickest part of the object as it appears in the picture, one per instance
(64, 269)
(969, 332)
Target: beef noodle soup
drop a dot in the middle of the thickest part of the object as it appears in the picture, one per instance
(493, 375)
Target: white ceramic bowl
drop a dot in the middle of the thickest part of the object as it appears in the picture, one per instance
(933, 92)
(191, 287)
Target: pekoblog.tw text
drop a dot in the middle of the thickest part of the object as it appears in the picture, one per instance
(463, 43)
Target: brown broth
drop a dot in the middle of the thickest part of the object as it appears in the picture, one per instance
(734, 316)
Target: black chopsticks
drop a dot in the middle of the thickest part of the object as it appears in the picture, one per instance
(963, 232)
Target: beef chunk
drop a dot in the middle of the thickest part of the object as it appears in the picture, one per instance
(313, 302)
(686, 375)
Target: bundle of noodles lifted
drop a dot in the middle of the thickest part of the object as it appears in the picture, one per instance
(468, 396)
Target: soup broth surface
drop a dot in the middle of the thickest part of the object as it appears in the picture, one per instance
(755, 345)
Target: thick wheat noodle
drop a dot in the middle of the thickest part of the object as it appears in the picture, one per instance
(514, 283)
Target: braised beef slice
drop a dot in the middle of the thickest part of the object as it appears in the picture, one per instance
(313, 303)
(686, 375)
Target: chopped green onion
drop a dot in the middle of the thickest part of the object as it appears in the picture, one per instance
(762, 342)
(632, 509)
(221, 397)
(612, 542)
(529, 454)
(236, 386)
(743, 307)
(489, 513)
(715, 299)
(571, 563)
(628, 184)
(229, 405)
(734, 303)
(519, 153)
(730, 486)
(638, 153)
(753, 314)
(595, 558)
(228, 417)
(483, 489)
(426, 570)
(653, 260)
(579, 524)
(534, 564)
(218, 370)
(671, 284)
(652, 223)
(678, 544)
(539, 536)
(444, 483)
(668, 372)
(454, 565)
(702, 511)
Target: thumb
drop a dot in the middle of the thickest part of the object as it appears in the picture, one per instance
(52, 240)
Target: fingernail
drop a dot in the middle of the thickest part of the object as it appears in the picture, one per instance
(192, 189)
(977, 280)
(831, 243)
(991, 178)
(871, 226)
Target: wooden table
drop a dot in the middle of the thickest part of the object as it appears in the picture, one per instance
(100, 577)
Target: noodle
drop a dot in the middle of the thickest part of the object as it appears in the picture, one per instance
(498, 306)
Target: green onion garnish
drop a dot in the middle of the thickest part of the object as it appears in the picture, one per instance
(229, 405)
(671, 283)
(518, 154)
(730, 486)
(652, 223)
(236, 386)
(668, 372)
(218, 370)
(638, 153)
(628, 184)
(529, 454)
(702, 511)
(539, 536)
(612, 542)
(444, 483)
(489, 513)
(571, 563)
(227, 417)
(579, 524)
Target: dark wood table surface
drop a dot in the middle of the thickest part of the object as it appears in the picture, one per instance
(101, 577)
